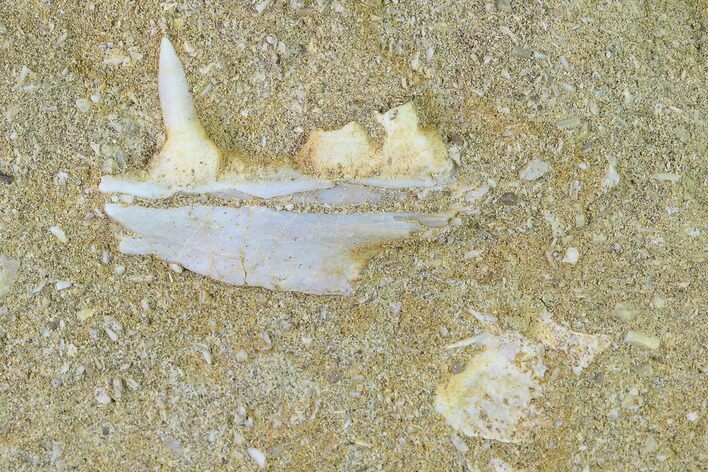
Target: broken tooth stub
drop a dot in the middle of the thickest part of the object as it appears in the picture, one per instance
(408, 152)
(313, 252)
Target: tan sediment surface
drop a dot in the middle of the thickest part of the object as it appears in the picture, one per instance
(156, 377)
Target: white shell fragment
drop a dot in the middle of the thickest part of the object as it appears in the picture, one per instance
(317, 252)
(498, 394)
(8, 274)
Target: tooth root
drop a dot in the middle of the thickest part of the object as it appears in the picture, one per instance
(177, 106)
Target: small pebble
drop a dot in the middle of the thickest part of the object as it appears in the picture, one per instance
(117, 388)
(141, 279)
(650, 445)
(457, 367)
(261, 6)
(611, 179)
(111, 334)
(241, 356)
(107, 166)
(207, 357)
(258, 457)
(638, 338)
(174, 446)
(474, 253)
(55, 453)
(59, 233)
(508, 198)
(459, 443)
(571, 256)
(83, 105)
(625, 312)
(86, 313)
(569, 123)
(102, 396)
(62, 285)
(534, 170)
(9, 269)
(266, 339)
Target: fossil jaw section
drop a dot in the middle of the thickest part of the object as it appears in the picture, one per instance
(258, 244)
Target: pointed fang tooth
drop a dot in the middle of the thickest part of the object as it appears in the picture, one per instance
(188, 157)
(177, 106)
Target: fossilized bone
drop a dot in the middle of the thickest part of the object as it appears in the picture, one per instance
(256, 245)
(497, 395)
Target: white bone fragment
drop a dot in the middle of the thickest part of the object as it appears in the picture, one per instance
(409, 150)
(409, 157)
(190, 163)
(344, 151)
(281, 182)
(497, 395)
(493, 397)
(257, 246)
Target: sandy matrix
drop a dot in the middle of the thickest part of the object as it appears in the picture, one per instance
(115, 362)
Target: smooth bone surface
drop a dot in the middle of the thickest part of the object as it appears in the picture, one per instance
(251, 245)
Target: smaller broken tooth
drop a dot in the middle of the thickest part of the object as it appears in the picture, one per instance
(341, 152)
(408, 152)
(188, 157)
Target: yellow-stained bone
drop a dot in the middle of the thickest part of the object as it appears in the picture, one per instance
(408, 151)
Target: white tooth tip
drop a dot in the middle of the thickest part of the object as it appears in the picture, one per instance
(165, 42)
(177, 106)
